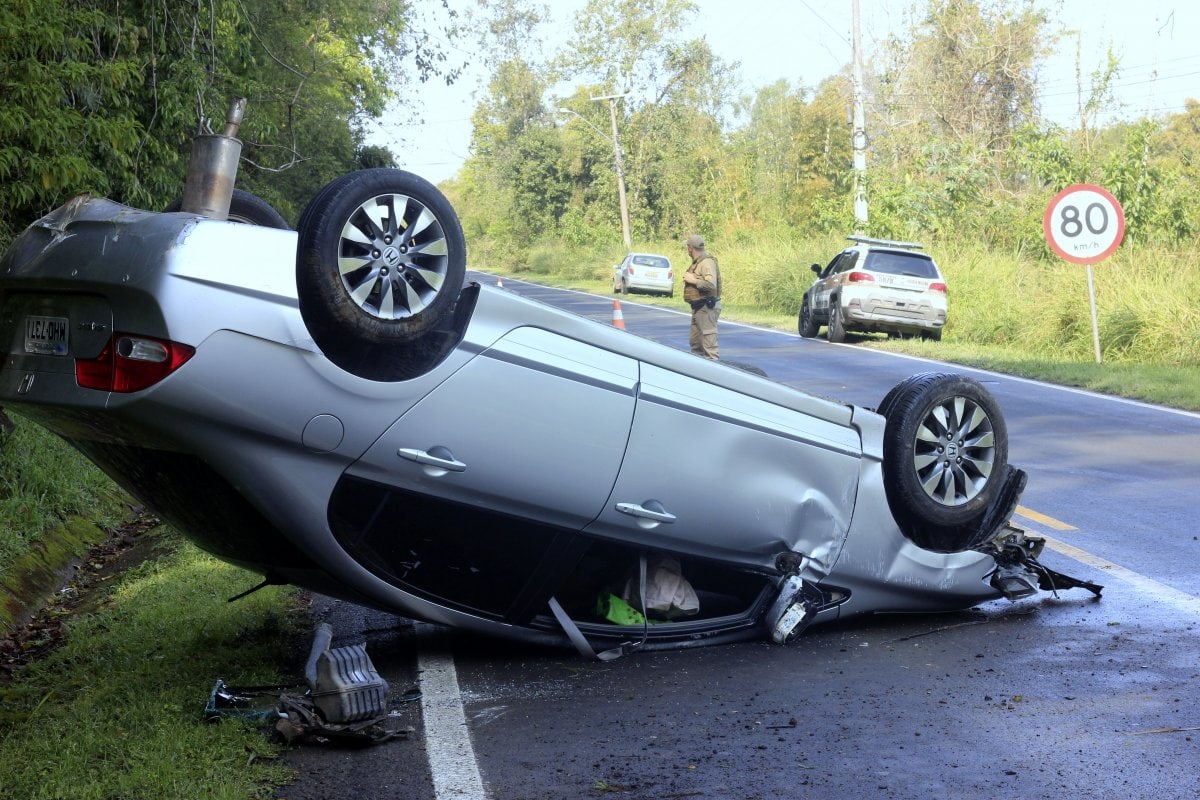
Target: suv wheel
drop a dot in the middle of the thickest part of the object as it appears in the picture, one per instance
(836, 331)
(807, 324)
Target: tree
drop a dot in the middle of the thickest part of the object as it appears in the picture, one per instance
(106, 95)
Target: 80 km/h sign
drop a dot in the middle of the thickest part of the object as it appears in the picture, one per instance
(1084, 224)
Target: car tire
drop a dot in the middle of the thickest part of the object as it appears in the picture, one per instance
(624, 287)
(807, 323)
(246, 208)
(380, 263)
(945, 459)
(835, 331)
(934, 335)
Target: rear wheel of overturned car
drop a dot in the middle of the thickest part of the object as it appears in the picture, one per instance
(945, 458)
(246, 208)
(807, 323)
(380, 262)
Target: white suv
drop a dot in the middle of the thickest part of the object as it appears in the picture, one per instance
(876, 286)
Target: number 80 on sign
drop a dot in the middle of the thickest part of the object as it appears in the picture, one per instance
(1084, 224)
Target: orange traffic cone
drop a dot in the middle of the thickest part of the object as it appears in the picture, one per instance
(618, 319)
(499, 282)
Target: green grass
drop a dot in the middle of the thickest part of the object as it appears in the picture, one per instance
(43, 481)
(116, 710)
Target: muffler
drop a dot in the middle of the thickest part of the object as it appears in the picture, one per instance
(213, 168)
(343, 683)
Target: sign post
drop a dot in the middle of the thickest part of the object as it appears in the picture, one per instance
(1084, 224)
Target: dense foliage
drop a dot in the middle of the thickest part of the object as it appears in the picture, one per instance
(105, 95)
(958, 148)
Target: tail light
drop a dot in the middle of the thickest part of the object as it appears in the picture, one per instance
(131, 363)
(860, 277)
(631, 269)
(938, 286)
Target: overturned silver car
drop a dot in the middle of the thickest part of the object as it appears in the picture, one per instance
(332, 407)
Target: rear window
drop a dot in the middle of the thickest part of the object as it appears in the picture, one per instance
(651, 261)
(893, 263)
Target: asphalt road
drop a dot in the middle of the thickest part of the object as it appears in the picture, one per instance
(1050, 697)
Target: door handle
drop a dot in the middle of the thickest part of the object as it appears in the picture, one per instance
(437, 460)
(648, 514)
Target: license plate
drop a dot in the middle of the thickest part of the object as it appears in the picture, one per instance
(902, 282)
(46, 336)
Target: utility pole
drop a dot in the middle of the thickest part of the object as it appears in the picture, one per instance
(859, 134)
(616, 141)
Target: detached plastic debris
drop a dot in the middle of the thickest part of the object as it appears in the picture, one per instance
(346, 699)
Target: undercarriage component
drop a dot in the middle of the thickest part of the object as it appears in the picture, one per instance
(1019, 573)
(342, 682)
(793, 610)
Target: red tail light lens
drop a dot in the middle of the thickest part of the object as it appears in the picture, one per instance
(631, 270)
(938, 286)
(860, 277)
(131, 363)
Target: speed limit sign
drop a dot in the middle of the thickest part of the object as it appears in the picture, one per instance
(1084, 224)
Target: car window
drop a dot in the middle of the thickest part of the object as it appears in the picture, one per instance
(845, 261)
(894, 263)
(651, 261)
(832, 266)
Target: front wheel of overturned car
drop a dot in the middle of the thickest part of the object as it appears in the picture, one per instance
(945, 459)
(380, 262)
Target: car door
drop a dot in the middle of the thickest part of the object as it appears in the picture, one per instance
(471, 497)
(720, 475)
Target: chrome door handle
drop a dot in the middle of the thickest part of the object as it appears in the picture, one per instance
(651, 511)
(439, 458)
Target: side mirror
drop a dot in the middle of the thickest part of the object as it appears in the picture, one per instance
(816, 268)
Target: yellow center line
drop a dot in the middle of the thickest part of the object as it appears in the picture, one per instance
(1049, 522)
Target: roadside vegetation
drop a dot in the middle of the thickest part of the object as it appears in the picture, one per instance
(116, 709)
(105, 97)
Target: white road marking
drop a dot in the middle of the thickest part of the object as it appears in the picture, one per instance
(452, 760)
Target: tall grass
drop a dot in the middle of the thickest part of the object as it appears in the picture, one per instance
(43, 481)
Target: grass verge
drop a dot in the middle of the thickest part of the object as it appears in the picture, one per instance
(116, 709)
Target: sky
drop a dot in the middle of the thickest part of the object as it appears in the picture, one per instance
(806, 41)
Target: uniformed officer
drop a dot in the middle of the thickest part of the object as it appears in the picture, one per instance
(702, 291)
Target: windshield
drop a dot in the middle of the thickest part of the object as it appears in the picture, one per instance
(895, 263)
(651, 261)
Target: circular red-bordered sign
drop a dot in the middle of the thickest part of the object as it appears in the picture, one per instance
(1084, 224)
